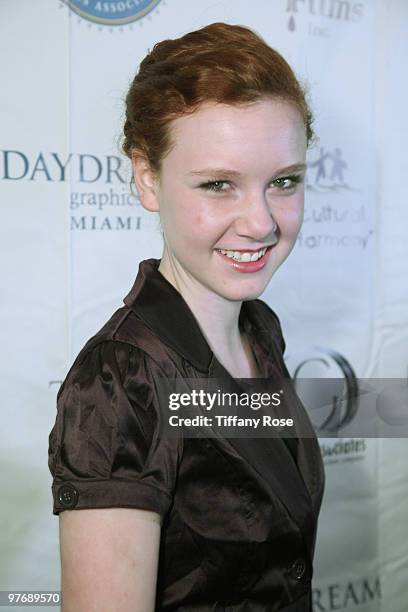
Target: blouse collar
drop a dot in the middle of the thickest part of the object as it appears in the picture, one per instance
(162, 308)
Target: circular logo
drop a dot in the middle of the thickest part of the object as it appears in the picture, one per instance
(340, 395)
(112, 12)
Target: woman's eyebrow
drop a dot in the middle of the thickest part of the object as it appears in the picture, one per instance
(224, 172)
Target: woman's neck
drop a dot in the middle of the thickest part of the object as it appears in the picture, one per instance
(218, 319)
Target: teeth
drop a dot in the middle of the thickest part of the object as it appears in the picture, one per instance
(244, 256)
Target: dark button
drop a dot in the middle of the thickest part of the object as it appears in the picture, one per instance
(68, 495)
(298, 569)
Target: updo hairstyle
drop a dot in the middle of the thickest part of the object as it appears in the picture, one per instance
(221, 63)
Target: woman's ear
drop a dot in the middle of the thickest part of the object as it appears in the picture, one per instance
(146, 182)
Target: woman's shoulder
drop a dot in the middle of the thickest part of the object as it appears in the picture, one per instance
(125, 326)
(124, 343)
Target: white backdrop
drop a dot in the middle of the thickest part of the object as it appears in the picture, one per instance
(73, 237)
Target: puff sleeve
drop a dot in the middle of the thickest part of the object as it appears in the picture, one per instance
(105, 448)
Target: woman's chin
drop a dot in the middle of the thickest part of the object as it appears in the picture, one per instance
(243, 294)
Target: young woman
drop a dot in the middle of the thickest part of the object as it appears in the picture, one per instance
(217, 128)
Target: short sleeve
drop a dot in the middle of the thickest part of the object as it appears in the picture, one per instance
(105, 448)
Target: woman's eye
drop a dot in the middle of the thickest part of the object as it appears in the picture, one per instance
(214, 186)
(287, 183)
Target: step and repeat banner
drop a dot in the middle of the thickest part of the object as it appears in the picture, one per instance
(73, 235)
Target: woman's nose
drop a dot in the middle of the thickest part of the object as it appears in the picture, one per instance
(255, 219)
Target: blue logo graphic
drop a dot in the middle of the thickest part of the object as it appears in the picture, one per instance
(328, 172)
(114, 12)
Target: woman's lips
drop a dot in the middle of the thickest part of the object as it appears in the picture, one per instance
(247, 266)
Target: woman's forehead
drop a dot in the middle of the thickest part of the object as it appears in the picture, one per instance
(217, 131)
(262, 112)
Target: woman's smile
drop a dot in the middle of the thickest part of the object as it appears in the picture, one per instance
(246, 261)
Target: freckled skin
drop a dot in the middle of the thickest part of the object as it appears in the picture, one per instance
(257, 141)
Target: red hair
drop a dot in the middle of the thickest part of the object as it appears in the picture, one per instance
(221, 63)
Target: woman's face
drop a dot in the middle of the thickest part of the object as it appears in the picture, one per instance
(232, 185)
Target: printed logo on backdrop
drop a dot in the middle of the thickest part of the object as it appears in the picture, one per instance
(334, 400)
(101, 199)
(340, 407)
(112, 13)
(345, 407)
(350, 595)
(328, 172)
(318, 15)
(341, 219)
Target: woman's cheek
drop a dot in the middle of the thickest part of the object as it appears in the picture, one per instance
(295, 217)
(207, 220)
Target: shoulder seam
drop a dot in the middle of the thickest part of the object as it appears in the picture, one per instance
(118, 341)
(122, 319)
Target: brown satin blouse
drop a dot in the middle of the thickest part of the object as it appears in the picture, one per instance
(239, 515)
